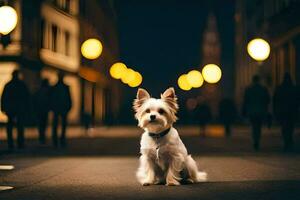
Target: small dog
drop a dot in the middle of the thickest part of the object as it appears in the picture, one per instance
(164, 158)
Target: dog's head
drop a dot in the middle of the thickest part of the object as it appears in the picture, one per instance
(155, 115)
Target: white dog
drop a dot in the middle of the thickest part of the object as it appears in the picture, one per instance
(164, 157)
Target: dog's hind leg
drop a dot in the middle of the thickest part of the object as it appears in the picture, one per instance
(194, 174)
(145, 173)
(175, 167)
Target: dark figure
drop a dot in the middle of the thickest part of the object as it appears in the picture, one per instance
(255, 107)
(15, 104)
(61, 104)
(227, 114)
(86, 121)
(42, 108)
(203, 115)
(285, 106)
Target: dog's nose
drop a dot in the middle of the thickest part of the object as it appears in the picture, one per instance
(152, 117)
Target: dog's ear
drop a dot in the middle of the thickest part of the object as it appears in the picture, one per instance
(169, 93)
(170, 98)
(141, 96)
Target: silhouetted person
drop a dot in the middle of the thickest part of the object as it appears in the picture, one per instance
(256, 101)
(15, 104)
(61, 104)
(285, 106)
(203, 115)
(87, 121)
(227, 114)
(42, 108)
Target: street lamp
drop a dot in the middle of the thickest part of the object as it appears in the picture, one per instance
(128, 76)
(195, 79)
(138, 79)
(183, 83)
(258, 49)
(8, 19)
(211, 73)
(91, 48)
(117, 70)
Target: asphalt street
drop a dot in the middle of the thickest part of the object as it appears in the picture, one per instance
(104, 168)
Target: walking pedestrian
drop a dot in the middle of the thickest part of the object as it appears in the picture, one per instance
(227, 114)
(15, 104)
(255, 107)
(42, 108)
(285, 107)
(61, 104)
(204, 116)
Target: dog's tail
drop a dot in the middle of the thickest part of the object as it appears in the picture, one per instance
(194, 174)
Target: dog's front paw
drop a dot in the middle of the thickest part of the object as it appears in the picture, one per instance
(172, 183)
(146, 184)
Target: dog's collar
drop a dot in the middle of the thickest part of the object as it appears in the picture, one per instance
(159, 135)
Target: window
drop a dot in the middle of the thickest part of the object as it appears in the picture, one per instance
(64, 5)
(54, 38)
(43, 30)
(67, 43)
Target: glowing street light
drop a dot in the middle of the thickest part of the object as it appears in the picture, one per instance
(8, 19)
(138, 79)
(195, 79)
(211, 73)
(118, 70)
(91, 48)
(183, 83)
(128, 76)
(258, 49)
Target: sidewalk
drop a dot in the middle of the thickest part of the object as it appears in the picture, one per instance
(124, 141)
(133, 131)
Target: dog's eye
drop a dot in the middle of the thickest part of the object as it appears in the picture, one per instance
(161, 111)
(148, 111)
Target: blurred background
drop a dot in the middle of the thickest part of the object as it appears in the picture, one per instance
(108, 48)
(161, 40)
(70, 70)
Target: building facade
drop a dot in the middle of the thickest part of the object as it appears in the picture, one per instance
(211, 54)
(47, 41)
(101, 94)
(277, 22)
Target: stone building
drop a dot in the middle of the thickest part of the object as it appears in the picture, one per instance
(47, 40)
(277, 22)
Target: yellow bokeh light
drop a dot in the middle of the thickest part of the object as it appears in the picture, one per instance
(183, 83)
(8, 19)
(118, 70)
(195, 79)
(128, 76)
(91, 48)
(138, 79)
(258, 49)
(211, 73)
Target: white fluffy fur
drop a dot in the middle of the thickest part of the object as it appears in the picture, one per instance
(163, 160)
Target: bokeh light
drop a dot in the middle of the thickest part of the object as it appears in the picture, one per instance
(118, 70)
(91, 48)
(211, 73)
(8, 19)
(195, 79)
(138, 79)
(258, 49)
(183, 83)
(128, 76)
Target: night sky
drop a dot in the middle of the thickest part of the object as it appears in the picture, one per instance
(162, 39)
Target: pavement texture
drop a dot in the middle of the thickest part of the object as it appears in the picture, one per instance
(104, 168)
